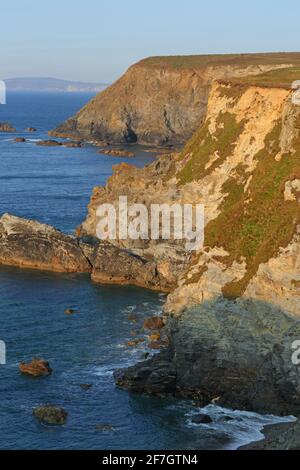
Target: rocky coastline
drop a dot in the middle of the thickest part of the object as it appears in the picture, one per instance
(231, 317)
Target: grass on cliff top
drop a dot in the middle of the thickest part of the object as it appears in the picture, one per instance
(282, 78)
(203, 147)
(201, 61)
(255, 224)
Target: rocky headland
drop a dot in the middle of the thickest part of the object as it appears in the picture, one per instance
(162, 100)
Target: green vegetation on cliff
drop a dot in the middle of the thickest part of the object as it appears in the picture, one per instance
(255, 224)
(203, 145)
(201, 61)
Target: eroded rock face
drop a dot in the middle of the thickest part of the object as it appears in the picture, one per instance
(278, 437)
(238, 354)
(112, 265)
(158, 103)
(243, 159)
(29, 244)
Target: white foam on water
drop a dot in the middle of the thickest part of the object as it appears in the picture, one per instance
(243, 427)
(103, 371)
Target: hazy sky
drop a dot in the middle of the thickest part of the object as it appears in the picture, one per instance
(96, 40)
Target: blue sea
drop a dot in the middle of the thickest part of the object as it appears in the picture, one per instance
(53, 185)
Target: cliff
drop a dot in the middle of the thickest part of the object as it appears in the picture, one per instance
(243, 164)
(233, 312)
(162, 100)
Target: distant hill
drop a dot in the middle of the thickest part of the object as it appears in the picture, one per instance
(52, 84)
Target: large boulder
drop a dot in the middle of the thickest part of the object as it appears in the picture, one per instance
(36, 368)
(30, 244)
(238, 354)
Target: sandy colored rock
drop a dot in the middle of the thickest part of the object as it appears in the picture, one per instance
(153, 323)
(36, 368)
(7, 127)
(49, 143)
(240, 352)
(30, 244)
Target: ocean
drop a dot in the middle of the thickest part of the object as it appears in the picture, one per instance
(53, 185)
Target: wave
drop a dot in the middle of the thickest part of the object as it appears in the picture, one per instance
(241, 427)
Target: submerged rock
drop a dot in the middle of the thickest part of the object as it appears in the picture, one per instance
(30, 244)
(201, 419)
(105, 427)
(49, 414)
(20, 139)
(86, 386)
(36, 368)
(7, 127)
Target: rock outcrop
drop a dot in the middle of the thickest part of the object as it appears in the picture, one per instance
(50, 414)
(7, 127)
(36, 368)
(278, 437)
(29, 244)
(112, 265)
(49, 143)
(117, 153)
(162, 100)
(238, 354)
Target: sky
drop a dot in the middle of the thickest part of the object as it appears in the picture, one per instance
(97, 40)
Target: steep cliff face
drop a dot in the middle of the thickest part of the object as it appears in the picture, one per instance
(243, 164)
(248, 154)
(162, 100)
